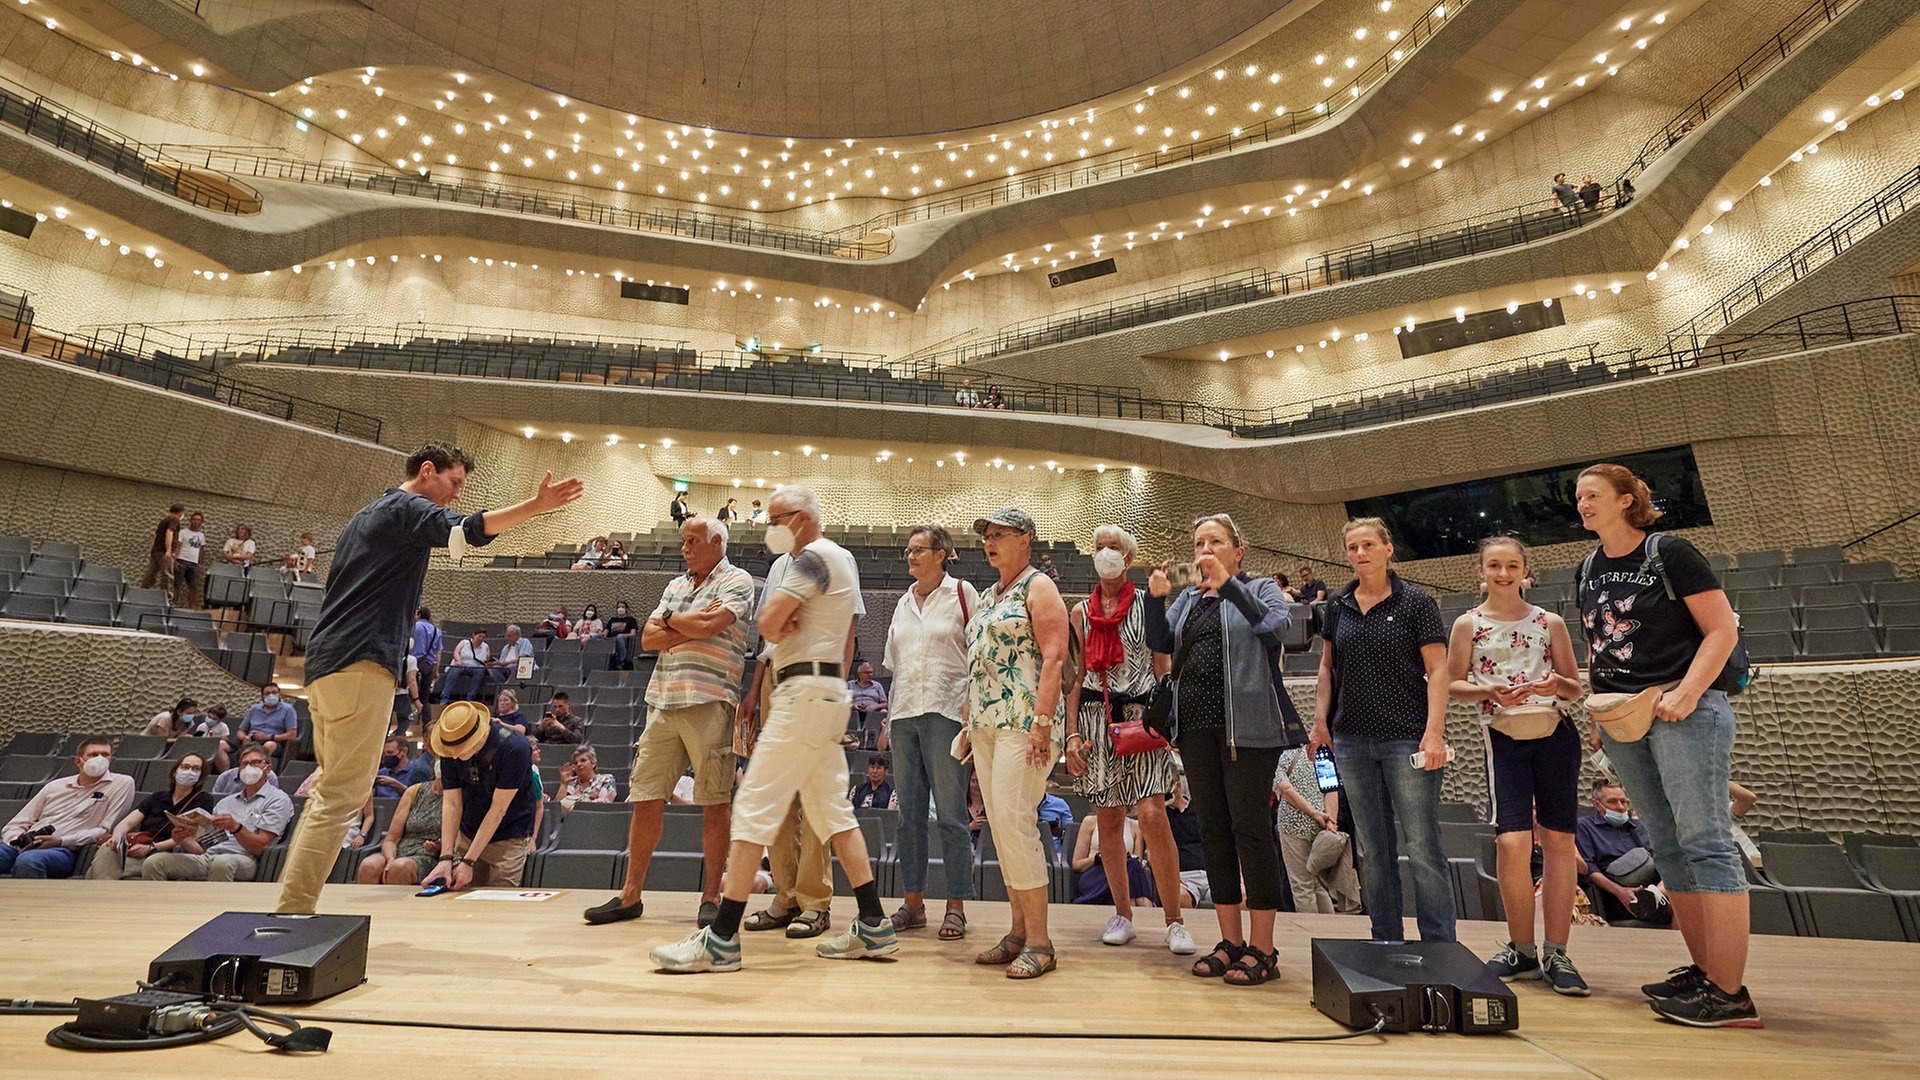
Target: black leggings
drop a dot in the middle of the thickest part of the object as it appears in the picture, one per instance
(1234, 797)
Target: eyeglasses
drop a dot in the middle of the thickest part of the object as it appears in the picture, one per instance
(1003, 535)
(915, 550)
(775, 519)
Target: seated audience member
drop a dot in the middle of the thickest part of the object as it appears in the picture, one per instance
(1286, 586)
(425, 768)
(1090, 877)
(1046, 567)
(505, 664)
(1055, 816)
(588, 625)
(506, 709)
(1742, 801)
(555, 625)
(145, 829)
(44, 839)
(594, 556)
(683, 790)
(560, 725)
(395, 763)
(213, 725)
(876, 791)
(995, 399)
(270, 724)
(488, 800)
(1196, 891)
(757, 515)
(1310, 590)
(616, 557)
(582, 781)
(359, 829)
(976, 805)
(1309, 829)
(412, 843)
(245, 824)
(289, 569)
(467, 675)
(966, 397)
(229, 780)
(869, 705)
(308, 555)
(175, 722)
(624, 631)
(1617, 853)
(239, 550)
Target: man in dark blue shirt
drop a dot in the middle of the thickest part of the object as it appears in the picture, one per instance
(355, 655)
(487, 810)
(1602, 838)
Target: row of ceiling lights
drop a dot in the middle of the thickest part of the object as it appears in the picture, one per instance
(809, 451)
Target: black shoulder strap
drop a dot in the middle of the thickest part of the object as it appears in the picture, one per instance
(1654, 563)
(1580, 577)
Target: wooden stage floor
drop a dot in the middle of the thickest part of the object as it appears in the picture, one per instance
(1833, 1008)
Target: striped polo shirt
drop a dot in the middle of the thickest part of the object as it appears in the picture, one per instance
(697, 672)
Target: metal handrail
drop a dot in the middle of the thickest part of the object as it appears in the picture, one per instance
(1868, 217)
(1890, 526)
(1800, 29)
(45, 120)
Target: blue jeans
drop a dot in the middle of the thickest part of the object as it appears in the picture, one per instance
(1677, 778)
(464, 683)
(622, 659)
(923, 766)
(1382, 786)
(57, 862)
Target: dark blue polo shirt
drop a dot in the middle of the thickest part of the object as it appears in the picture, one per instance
(1601, 841)
(1380, 678)
(373, 587)
(506, 762)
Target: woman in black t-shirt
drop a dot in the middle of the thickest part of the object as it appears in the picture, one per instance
(1677, 774)
(145, 829)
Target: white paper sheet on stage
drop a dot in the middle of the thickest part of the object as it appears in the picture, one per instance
(512, 896)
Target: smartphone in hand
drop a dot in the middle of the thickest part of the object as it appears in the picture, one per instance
(434, 887)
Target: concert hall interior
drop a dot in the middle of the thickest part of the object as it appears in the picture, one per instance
(713, 421)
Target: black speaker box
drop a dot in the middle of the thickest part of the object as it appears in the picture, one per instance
(659, 294)
(1080, 273)
(1414, 986)
(268, 959)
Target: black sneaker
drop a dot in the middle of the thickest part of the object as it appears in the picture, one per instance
(1678, 981)
(1562, 976)
(709, 911)
(1512, 965)
(1709, 1006)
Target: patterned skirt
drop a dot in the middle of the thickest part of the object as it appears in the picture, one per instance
(1113, 779)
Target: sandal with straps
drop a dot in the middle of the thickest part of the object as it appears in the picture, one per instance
(767, 919)
(1033, 962)
(953, 927)
(1002, 953)
(1211, 966)
(909, 918)
(1254, 968)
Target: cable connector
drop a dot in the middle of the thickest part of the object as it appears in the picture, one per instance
(176, 1019)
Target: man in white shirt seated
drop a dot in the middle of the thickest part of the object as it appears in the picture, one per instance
(244, 825)
(506, 665)
(45, 838)
(467, 675)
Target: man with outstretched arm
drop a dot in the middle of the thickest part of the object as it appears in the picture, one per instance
(360, 640)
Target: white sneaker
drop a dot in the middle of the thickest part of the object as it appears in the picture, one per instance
(1119, 930)
(1179, 942)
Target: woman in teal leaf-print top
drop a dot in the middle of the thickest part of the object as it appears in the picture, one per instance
(1016, 653)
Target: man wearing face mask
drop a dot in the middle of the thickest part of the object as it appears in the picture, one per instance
(623, 630)
(245, 824)
(1616, 851)
(270, 724)
(44, 839)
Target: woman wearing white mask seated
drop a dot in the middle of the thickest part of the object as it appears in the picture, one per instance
(1117, 676)
(145, 829)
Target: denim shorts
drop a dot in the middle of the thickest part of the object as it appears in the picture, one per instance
(1677, 778)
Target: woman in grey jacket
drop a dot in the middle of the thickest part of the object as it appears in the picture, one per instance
(1233, 720)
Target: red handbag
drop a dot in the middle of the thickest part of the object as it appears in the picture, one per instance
(1131, 736)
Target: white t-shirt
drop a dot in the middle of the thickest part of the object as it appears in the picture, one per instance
(307, 555)
(187, 548)
(466, 655)
(241, 549)
(778, 573)
(826, 580)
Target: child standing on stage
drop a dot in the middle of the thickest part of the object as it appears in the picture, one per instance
(1516, 660)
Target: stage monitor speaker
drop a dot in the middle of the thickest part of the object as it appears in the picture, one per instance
(268, 959)
(1414, 986)
(1080, 273)
(659, 294)
(17, 223)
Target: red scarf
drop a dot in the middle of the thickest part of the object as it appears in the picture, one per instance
(1104, 650)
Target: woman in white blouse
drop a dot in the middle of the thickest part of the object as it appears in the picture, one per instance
(926, 651)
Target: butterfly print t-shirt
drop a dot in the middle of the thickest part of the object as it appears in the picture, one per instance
(1639, 638)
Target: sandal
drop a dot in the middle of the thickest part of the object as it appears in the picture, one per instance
(767, 920)
(809, 924)
(1033, 962)
(1212, 966)
(909, 918)
(1254, 968)
(1002, 953)
(953, 927)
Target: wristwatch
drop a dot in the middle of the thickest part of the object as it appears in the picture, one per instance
(666, 620)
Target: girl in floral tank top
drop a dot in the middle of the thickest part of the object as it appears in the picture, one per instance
(1513, 658)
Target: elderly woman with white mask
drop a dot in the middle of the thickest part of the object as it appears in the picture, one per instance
(1117, 676)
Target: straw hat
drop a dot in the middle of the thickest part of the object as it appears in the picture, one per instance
(461, 729)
